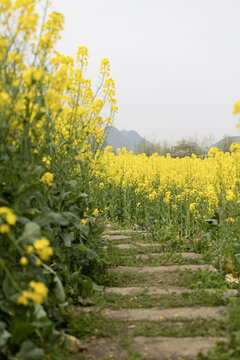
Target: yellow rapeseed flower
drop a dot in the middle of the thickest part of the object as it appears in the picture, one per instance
(23, 261)
(37, 292)
(230, 195)
(4, 228)
(43, 248)
(47, 160)
(234, 146)
(23, 299)
(236, 107)
(47, 179)
(11, 218)
(30, 249)
(39, 287)
(38, 262)
(230, 219)
(8, 215)
(96, 212)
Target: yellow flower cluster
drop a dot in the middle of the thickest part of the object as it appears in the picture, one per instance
(6, 215)
(198, 185)
(53, 79)
(42, 248)
(47, 160)
(96, 212)
(47, 179)
(23, 261)
(230, 219)
(37, 292)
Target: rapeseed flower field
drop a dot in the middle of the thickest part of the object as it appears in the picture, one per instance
(58, 186)
(175, 197)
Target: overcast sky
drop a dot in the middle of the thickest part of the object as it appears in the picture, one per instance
(176, 63)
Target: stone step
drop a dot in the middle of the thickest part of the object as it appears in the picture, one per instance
(118, 237)
(168, 348)
(162, 269)
(104, 348)
(125, 231)
(155, 314)
(125, 246)
(153, 290)
(150, 348)
(131, 246)
(185, 255)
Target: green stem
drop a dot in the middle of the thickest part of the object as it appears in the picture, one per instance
(14, 242)
(8, 274)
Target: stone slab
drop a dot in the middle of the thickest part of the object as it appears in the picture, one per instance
(148, 244)
(104, 348)
(151, 348)
(124, 290)
(169, 348)
(155, 314)
(162, 269)
(125, 231)
(131, 246)
(185, 255)
(152, 290)
(125, 246)
(118, 237)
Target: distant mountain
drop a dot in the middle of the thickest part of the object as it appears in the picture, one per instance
(131, 140)
(225, 143)
(124, 138)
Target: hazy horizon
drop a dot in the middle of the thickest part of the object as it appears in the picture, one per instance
(175, 63)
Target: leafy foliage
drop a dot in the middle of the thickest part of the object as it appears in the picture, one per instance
(52, 129)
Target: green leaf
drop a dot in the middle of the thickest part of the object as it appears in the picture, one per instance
(20, 331)
(39, 115)
(91, 254)
(3, 202)
(73, 183)
(8, 290)
(30, 233)
(4, 334)
(71, 217)
(29, 351)
(97, 287)
(59, 290)
(27, 148)
(86, 287)
(237, 256)
(68, 238)
(51, 217)
(41, 319)
(212, 221)
(39, 311)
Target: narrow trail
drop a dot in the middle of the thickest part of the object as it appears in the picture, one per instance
(151, 305)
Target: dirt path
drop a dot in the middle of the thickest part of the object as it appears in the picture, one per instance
(152, 307)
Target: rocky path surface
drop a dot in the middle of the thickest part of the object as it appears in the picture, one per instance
(152, 298)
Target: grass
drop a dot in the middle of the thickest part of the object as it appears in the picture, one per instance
(117, 258)
(201, 279)
(186, 278)
(231, 349)
(144, 300)
(114, 278)
(182, 328)
(85, 326)
(61, 354)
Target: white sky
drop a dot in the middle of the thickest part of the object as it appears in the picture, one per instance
(176, 63)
